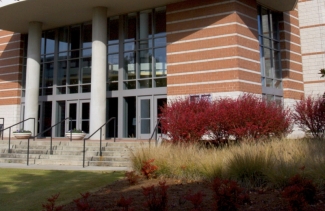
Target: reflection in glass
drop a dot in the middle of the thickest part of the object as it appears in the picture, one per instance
(63, 39)
(131, 27)
(160, 62)
(161, 82)
(129, 84)
(48, 74)
(160, 21)
(61, 74)
(75, 38)
(86, 70)
(113, 67)
(50, 41)
(145, 84)
(130, 65)
(87, 36)
(73, 71)
(113, 30)
(145, 64)
(145, 25)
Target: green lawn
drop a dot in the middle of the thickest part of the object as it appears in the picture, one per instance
(24, 189)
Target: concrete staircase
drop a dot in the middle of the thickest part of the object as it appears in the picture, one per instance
(114, 154)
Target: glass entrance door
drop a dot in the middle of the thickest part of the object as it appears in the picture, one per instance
(148, 114)
(78, 111)
(145, 117)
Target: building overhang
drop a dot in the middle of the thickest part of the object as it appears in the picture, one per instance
(279, 5)
(15, 15)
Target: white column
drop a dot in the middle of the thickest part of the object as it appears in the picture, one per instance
(98, 71)
(33, 74)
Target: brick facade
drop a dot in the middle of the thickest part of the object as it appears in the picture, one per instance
(212, 47)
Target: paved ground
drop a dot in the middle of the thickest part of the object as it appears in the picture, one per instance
(64, 168)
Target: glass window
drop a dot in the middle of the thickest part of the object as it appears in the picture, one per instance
(271, 71)
(87, 36)
(63, 39)
(50, 42)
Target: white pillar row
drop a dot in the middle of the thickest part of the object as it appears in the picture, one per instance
(33, 74)
(98, 71)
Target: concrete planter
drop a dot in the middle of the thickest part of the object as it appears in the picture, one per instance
(22, 135)
(75, 136)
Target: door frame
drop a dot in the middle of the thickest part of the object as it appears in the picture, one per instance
(153, 114)
(78, 112)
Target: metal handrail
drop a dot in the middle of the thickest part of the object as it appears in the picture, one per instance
(51, 150)
(155, 132)
(3, 123)
(100, 143)
(9, 151)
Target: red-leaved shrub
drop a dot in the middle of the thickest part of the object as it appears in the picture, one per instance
(196, 199)
(309, 115)
(228, 195)
(156, 198)
(82, 204)
(148, 169)
(247, 117)
(250, 117)
(125, 203)
(299, 193)
(132, 177)
(50, 205)
(184, 120)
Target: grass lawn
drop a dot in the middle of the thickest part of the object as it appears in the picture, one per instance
(24, 189)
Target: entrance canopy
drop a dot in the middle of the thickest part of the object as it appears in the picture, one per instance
(55, 13)
(16, 14)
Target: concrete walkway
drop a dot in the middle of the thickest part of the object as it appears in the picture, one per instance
(62, 167)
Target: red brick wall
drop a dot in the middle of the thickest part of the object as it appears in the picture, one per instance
(11, 56)
(212, 47)
(293, 86)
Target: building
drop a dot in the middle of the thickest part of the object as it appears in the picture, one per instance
(92, 60)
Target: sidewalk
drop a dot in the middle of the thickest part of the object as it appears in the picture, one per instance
(62, 167)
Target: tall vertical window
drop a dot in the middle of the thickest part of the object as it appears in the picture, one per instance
(145, 49)
(271, 72)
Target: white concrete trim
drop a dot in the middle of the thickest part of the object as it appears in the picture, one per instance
(294, 90)
(11, 65)
(9, 35)
(213, 71)
(213, 82)
(215, 48)
(4, 98)
(10, 73)
(286, 50)
(213, 37)
(6, 43)
(292, 80)
(288, 14)
(13, 57)
(291, 61)
(5, 82)
(215, 59)
(288, 41)
(210, 27)
(291, 24)
(15, 89)
(8, 50)
(296, 35)
(200, 7)
(290, 70)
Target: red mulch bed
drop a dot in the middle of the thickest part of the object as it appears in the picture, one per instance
(261, 199)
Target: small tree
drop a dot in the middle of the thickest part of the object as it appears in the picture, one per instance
(309, 115)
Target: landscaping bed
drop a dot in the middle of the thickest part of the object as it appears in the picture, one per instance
(261, 198)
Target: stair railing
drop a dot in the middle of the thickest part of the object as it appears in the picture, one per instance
(155, 133)
(9, 151)
(100, 141)
(3, 125)
(51, 150)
